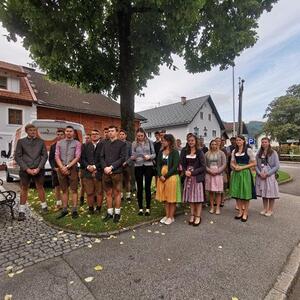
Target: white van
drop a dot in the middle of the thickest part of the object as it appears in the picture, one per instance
(46, 131)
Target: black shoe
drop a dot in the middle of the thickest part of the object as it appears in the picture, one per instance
(81, 201)
(107, 217)
(75, 214)
(98, 210)
(244, 220)
(62, 214)
(222, 205)
(238, 217)
(147, 213)
(21, 216)
(44, 210)
(141, 213)
(91, 210)
(117, 218)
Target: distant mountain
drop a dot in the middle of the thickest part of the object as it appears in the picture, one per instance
(255, 128)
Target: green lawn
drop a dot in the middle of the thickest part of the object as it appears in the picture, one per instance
(283, 176)
(93, 223)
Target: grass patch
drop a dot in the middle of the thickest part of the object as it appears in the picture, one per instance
(283, 176)
(93, 223)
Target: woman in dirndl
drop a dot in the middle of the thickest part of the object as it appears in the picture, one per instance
(242, 185)
(267, 164)
(193, 167)
(168, 185)
(215, 166)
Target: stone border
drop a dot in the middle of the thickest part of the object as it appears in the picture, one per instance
(287, 277)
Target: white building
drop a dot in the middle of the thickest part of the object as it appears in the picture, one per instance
(17, 103)
(198, 116)
(258, 138)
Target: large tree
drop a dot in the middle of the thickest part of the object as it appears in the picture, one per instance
(283, 115)
(115, 46)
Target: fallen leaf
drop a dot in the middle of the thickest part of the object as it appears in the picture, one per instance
(133, 230)
(55, 239)
(29, 242)
(211, 222)
(97, 241)
(66, 240)
(163, 233)
(98, 268)
(9, 268)
(89, 279)
(156, 231)
(8, 297)
(220, 247)
(11, 274)
(133, 237)
(90, 246)
(234, 298)
(71, 282)
(121, 243)
(78, 236)
(169, 259)
(20, 271)
(149, 230)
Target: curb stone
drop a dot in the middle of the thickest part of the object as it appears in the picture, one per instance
(287, 277)
(286, 181)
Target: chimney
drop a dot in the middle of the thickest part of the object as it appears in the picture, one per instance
(183, 100)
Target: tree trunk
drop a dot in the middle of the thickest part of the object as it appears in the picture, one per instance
(126, 69)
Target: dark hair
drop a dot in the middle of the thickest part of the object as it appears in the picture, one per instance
(122, 130)
(188, 148)
(60, 130)
(170, 139)
(233, 138)
(113, 126)
(163, 131)
(245, 144)
(70, 127)
(269, 151)
(156, 132)
(96, 130)
(106, 128)
(212, 141)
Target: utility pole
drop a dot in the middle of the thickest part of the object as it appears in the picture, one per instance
(241, 89)
(233, 102)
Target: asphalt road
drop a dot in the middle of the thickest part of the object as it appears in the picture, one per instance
(219, 260)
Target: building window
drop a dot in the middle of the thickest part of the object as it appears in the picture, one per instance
(15, 116)
(214, 133)
(149, 134)
(3, 82)
(209, 117)
(201, 115)
(196, 131)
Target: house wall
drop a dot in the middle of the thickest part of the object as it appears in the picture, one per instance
(88, 121)
(7, 130)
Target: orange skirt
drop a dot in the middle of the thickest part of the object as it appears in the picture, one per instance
(170, 190)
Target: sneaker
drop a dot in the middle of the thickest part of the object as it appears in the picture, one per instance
(21, 216)
(263, 212)
(117, 218)
(91, 210)
(107, 217)
(147, 213)
(141, 212)
(75, 214)
(269, 214)
(169, 221)
(62, 214)
(98, 210)
(163, 220)
(81, 201)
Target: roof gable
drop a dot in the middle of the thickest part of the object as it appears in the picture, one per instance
(177, 114)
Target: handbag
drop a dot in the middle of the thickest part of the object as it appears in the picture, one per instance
(154, 171)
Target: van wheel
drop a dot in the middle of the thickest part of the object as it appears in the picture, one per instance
(8, 178)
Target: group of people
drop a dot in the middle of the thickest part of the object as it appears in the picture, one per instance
(106, 166)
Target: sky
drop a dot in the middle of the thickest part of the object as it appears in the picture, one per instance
(268, 68)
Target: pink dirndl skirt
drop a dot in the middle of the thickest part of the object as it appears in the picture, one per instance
(214, 183)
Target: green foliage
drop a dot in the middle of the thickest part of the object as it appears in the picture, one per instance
(255, 128)
(115, 46)
(283, 115)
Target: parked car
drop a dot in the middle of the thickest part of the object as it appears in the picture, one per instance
(46, 131)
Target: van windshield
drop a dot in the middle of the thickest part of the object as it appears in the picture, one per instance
(47, 133)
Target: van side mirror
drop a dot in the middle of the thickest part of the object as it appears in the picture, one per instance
(3, 154)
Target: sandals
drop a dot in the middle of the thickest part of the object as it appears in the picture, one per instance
(197, 223)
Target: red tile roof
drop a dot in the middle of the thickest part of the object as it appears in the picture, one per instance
(12, 68)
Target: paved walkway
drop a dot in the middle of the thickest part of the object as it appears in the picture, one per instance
(221, 259)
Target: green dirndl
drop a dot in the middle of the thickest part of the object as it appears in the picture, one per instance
(242, 185)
